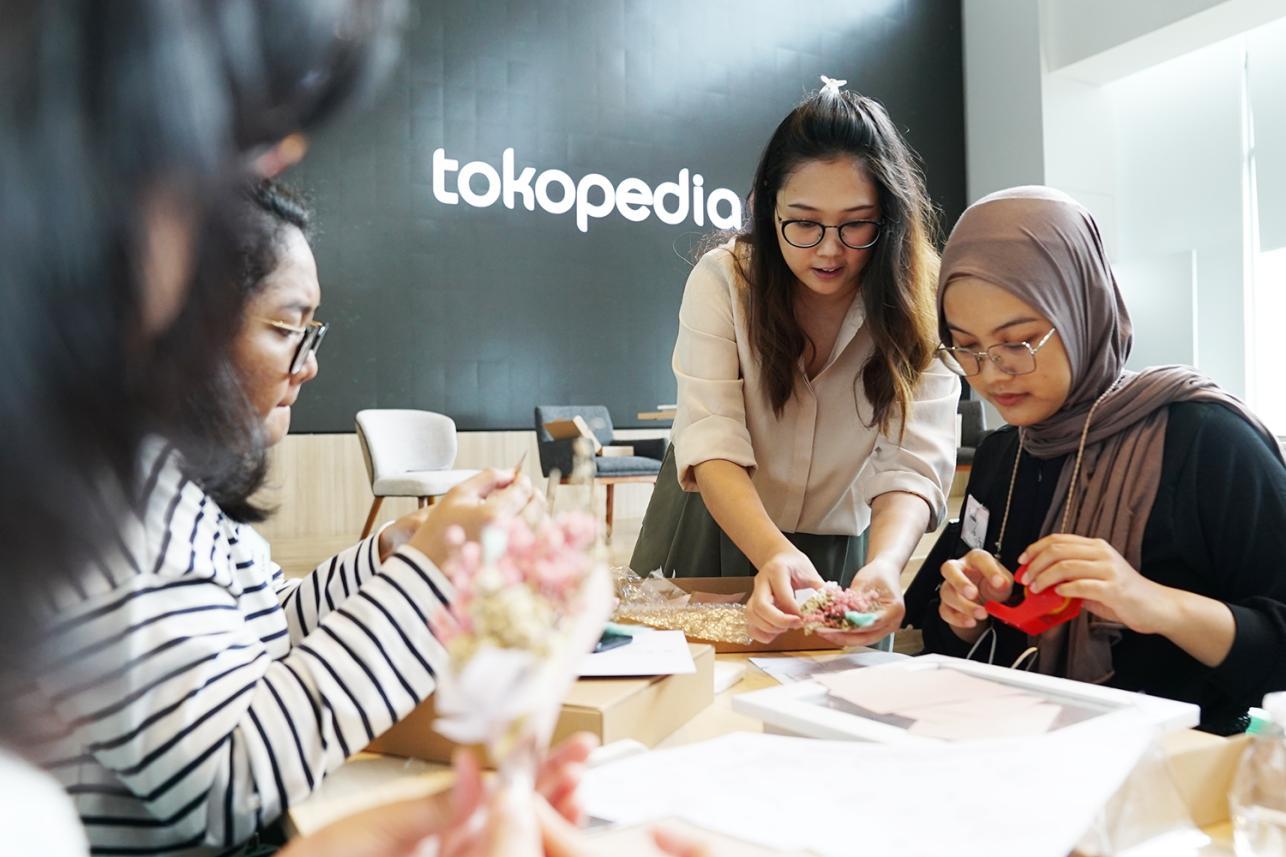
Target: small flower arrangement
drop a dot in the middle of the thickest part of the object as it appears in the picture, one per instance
(835, 608)
(515, 586)
(529, 602)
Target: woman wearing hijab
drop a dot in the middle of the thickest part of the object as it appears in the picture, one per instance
(1154, 496)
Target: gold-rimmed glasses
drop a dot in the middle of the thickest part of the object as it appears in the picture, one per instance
(1012, 358)
(310, 339)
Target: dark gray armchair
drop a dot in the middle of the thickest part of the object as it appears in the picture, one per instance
(973, 428)
(609, 470)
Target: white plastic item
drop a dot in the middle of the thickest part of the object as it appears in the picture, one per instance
(1258, 796)
(1275, 705)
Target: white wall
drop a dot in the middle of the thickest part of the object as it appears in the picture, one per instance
(1003, 133)
(1137, 113)
(1161, 291)
(1267, 84)
(1004, 127)
(1080, 142)
(1103, 40)
(1179, 165)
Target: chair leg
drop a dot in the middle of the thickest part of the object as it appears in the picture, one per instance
(370, 519)
(431, 500)
(611, 496)
(421, 502)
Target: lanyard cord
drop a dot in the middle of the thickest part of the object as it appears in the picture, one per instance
(1076, 472)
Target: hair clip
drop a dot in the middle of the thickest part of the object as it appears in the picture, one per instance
(830, 86)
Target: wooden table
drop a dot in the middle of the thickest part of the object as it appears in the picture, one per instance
(369, 779)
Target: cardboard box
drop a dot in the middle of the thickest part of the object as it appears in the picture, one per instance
(616, 451)
(572, 429)
(646, 709)
(791, 641)
(1202, 766)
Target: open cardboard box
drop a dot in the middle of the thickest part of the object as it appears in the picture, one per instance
(616, 451)
(572, 429)
(577, 427)
(646, 709)
(1202, 766)
(791, 641)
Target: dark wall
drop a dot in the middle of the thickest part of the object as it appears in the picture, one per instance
(483, 312)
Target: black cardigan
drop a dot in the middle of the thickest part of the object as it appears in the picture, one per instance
(1217, 528)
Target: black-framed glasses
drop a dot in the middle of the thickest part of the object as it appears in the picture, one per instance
(854, 234)
(1012, 358)
(310, 339)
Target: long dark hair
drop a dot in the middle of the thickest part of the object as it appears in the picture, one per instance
(105, 105)
(292, 65)
(101, 113)
(898, 280)
(214, 423)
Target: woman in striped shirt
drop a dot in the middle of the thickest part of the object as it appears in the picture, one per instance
(119, 123)
(197, 692)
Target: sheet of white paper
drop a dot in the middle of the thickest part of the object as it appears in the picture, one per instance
(802, 595)
(655, 653)
(726, 675)
(974, 709)
(790, 668)
(895, 691)
(967, 722)
(637, 841)
(841, 798)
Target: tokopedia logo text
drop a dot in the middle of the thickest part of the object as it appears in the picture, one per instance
(479, 184)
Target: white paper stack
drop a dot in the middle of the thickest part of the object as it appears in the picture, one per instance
(1028, 796)
(648, 653)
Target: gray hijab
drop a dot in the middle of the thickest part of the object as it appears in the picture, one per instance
(1044, 248)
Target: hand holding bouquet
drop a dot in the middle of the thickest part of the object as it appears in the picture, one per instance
(834, 608)
(530, 600)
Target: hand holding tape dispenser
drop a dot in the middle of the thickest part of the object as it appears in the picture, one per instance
(1038, 612)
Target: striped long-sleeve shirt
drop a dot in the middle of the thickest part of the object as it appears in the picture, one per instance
(193, 692)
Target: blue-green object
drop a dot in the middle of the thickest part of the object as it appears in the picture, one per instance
(627, 630)
(612, 640)
(859, 620)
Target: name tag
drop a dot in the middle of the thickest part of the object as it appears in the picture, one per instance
(973, 524)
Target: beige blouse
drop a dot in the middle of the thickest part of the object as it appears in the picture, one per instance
(817, 467)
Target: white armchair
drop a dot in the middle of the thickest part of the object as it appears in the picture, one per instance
(408, 453)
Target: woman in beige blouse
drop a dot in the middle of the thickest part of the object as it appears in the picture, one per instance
(802, 344)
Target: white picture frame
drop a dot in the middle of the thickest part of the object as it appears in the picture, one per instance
(804, 708)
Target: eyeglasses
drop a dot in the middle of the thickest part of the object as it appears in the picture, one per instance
(1012, 358)
(855, 234)
(311, 336)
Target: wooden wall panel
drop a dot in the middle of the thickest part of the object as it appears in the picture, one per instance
(318, 484)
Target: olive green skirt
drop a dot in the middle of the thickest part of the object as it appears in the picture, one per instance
(680, 537)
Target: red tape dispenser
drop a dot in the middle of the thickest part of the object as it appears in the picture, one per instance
(1038, 612)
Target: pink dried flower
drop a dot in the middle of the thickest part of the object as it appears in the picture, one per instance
(579, 530)
(829, 608)
(517, 599)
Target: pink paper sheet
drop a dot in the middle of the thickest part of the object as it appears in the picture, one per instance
(945, 703)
